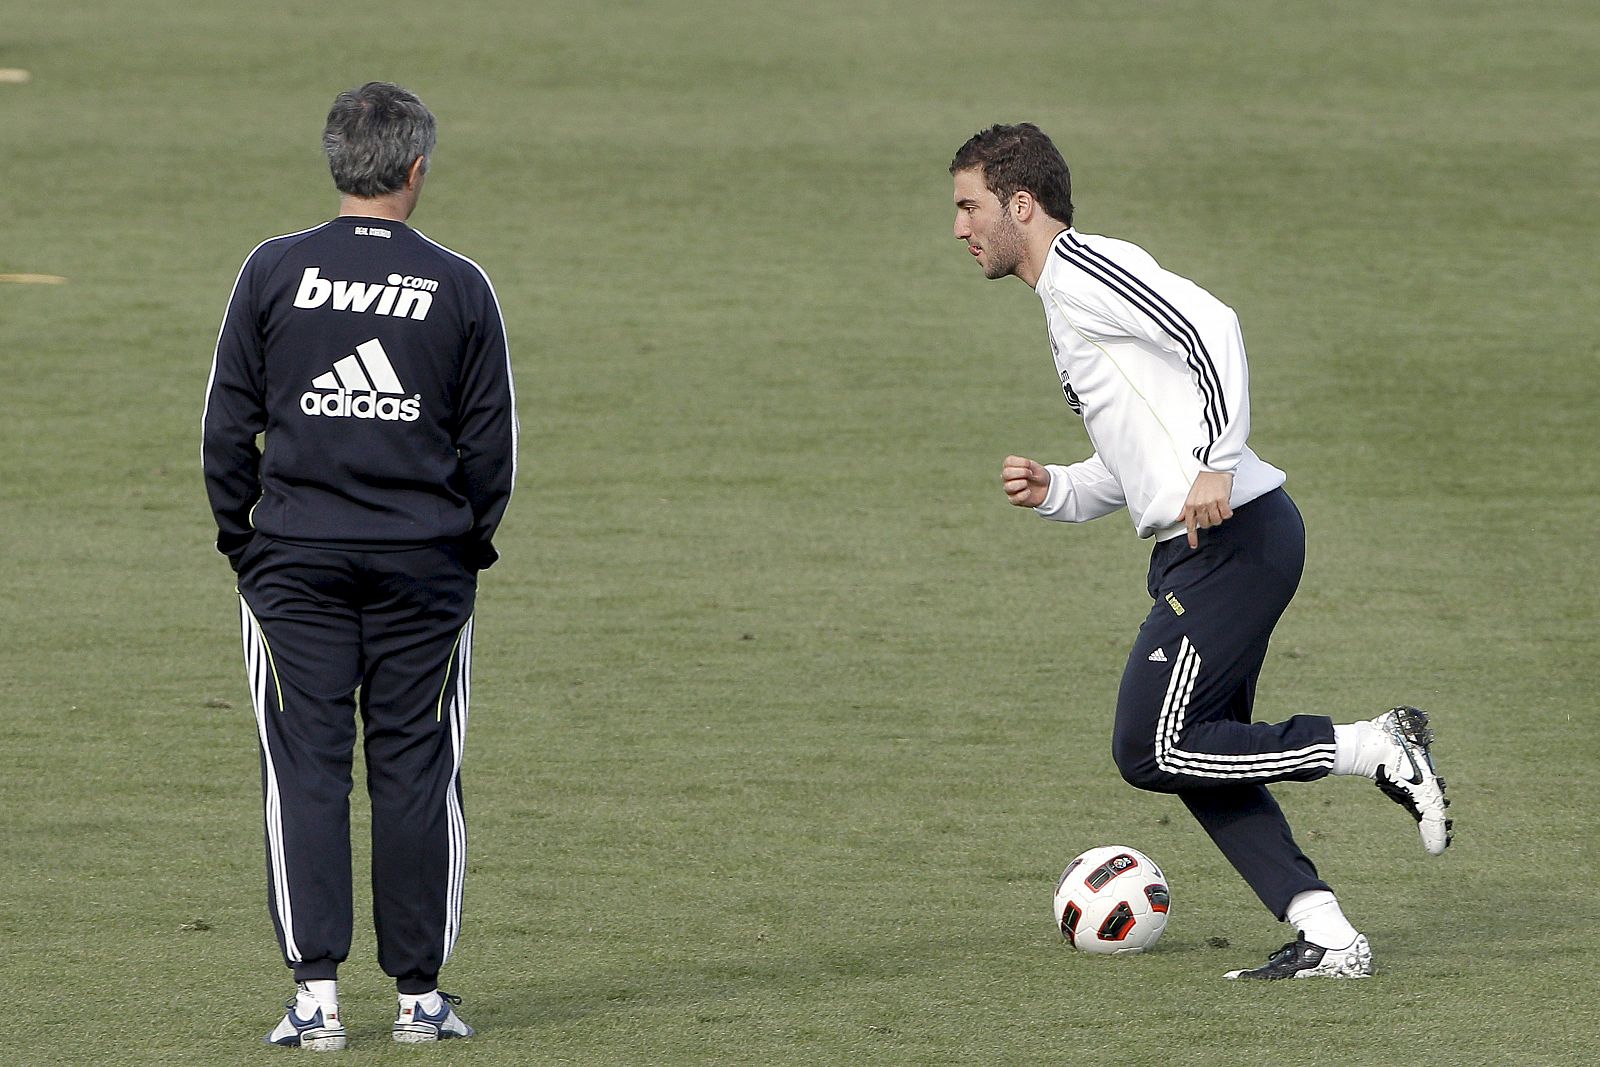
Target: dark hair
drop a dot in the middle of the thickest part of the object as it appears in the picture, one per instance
(1020, 157)
(373, 135)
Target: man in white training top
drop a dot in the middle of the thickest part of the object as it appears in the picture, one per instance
(1155, 365)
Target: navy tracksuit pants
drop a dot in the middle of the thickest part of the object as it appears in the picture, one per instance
(1184, 709)
(329, 634)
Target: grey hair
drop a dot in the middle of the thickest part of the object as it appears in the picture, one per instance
(373, 135)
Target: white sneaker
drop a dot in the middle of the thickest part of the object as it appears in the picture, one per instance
(321, 1031)
(415, 1026)
(1301, 959)
(1408, 777)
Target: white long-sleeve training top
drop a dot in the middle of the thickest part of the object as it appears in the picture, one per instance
(1156, 367)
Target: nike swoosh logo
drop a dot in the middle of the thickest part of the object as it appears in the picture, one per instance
(1416, 768)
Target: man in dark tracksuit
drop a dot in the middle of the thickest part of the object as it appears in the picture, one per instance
(374, 362)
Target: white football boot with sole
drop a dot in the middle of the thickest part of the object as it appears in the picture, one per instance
(1301, 959)
(1408, 776)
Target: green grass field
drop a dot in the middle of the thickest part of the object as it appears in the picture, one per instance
(785, 721)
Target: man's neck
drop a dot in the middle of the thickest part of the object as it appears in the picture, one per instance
(396, 207)
(1032, 265)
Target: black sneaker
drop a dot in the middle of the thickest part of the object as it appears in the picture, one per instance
(1301, 959)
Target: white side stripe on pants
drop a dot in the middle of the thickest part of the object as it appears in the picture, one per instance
(456, 698)
(261, 670)
(1243, 767)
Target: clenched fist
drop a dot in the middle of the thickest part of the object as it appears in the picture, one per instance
(1026, 483)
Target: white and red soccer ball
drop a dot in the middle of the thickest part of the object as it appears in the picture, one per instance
(1112, 900)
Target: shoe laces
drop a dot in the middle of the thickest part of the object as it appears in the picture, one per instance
(1290, 949)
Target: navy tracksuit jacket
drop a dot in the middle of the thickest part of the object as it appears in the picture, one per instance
(373, 361)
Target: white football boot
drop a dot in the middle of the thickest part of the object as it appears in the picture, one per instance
(1301, 959)
(1408, 777)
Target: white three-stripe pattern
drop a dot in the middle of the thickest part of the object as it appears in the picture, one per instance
(262, 673)
(371, 372)
(455, 699)
(463, 686)
(1243, 767)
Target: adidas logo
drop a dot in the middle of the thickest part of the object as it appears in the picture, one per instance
(361, 386)
(1158, 656)
(404, 295)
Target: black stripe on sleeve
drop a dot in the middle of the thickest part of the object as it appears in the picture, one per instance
(1139, 293)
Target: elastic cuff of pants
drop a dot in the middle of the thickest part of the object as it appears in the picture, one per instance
(415, 987)
(316, 971)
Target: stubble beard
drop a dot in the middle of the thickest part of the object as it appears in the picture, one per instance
(1004, 249)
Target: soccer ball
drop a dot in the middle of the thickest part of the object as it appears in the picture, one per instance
(1112, 900)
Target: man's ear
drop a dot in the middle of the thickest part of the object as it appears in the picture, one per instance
(419, 167)
(1022, 206)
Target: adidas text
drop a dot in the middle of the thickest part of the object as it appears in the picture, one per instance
(348, 405)
(362, 385)
(1158, 656)
(403, 296)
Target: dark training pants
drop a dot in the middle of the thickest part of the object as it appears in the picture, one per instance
(1183, 712)
(329, 633)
